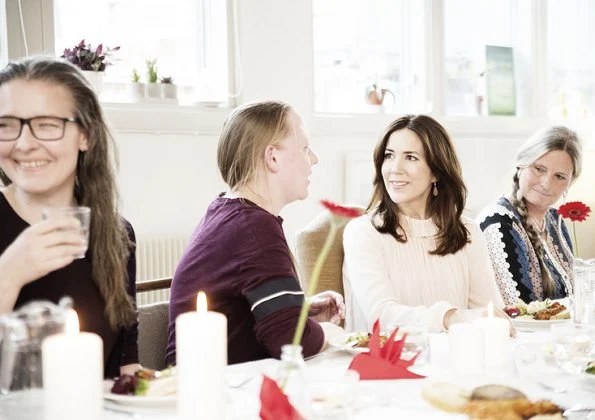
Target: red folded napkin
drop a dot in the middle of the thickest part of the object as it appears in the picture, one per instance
(274, 404)
(384, 362)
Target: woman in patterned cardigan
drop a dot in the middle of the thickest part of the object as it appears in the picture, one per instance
(528, 242)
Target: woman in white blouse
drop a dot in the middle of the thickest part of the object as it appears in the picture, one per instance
(413, 259)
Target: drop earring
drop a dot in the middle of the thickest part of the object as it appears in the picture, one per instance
(435, 190)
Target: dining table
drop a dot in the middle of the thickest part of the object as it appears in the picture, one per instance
(530, 368)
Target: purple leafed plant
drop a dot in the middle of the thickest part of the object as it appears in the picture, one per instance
(85, 57)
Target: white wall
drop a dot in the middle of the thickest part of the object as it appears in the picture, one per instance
(167, 179)
(168, 171)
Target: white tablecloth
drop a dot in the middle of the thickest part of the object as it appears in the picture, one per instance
(386, 397)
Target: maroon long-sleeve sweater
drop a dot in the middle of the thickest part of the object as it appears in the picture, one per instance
(239, 257)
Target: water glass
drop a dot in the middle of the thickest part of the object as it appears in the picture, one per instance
(574, 346)
(82, 214)
(416, 342)
(21, 335)
(333, 395)
(529, 360)
(582, 302)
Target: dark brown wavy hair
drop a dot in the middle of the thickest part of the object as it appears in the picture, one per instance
(109, 245)
(446, 208)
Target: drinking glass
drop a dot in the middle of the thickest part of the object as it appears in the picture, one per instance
(416, 342)
(82, 214)
(333, 395)
(574, 346)
(529, 360)
(582, 302)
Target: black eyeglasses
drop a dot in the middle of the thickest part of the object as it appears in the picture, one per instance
(42, 128)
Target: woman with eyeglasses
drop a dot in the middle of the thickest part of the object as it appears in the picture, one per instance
(55, 152)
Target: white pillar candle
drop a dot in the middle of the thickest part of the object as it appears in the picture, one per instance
(496, 334)
(72, 374)
(201, 355)
(466, 344)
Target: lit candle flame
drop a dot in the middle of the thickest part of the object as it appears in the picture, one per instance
(490, 310)
(201, 302)
(72, 322)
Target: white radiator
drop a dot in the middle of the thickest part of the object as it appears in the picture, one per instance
(157, 257)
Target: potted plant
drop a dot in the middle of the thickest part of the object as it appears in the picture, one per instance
(91, 61)
(168, 89)
(151, 88)
(137, 89)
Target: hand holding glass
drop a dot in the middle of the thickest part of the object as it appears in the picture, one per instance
(82, 214)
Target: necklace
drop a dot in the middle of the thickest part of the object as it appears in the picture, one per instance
(539, 227)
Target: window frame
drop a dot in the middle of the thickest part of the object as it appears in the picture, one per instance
(534, 92)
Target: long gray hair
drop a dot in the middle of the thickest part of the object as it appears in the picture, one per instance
(544, 141)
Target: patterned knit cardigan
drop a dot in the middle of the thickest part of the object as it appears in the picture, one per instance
(514, 260)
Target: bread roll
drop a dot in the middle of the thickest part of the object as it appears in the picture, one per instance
(445, 396)
(496, 392)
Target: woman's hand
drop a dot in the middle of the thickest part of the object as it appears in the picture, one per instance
(42, 248)
(455, 316)
(327, 307)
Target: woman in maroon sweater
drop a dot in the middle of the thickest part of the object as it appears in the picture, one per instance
(55, 152)
(238, 254)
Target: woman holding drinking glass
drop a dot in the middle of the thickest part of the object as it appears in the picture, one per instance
(55, 152)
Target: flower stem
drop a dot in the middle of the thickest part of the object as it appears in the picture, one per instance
(575, 240)
(299, 331)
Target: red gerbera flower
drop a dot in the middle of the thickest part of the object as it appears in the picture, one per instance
(342, 211)
(576, 211)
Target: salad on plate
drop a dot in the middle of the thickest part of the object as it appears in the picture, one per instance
(546, 310)
(146, 383)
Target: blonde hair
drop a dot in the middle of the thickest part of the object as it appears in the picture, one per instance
(109, 245)
(543, 141)
(246, 134)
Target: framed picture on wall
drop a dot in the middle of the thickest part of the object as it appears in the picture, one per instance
(500, 80)
(359, 175)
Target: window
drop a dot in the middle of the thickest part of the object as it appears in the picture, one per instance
(434, 59)
(491, 23)
(187, 37)
(570, 62)
(3, 35)
(357, 44)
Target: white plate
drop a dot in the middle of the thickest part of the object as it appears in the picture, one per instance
(589, 377)
(528, 322)
(340, 342)
(136, 401)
